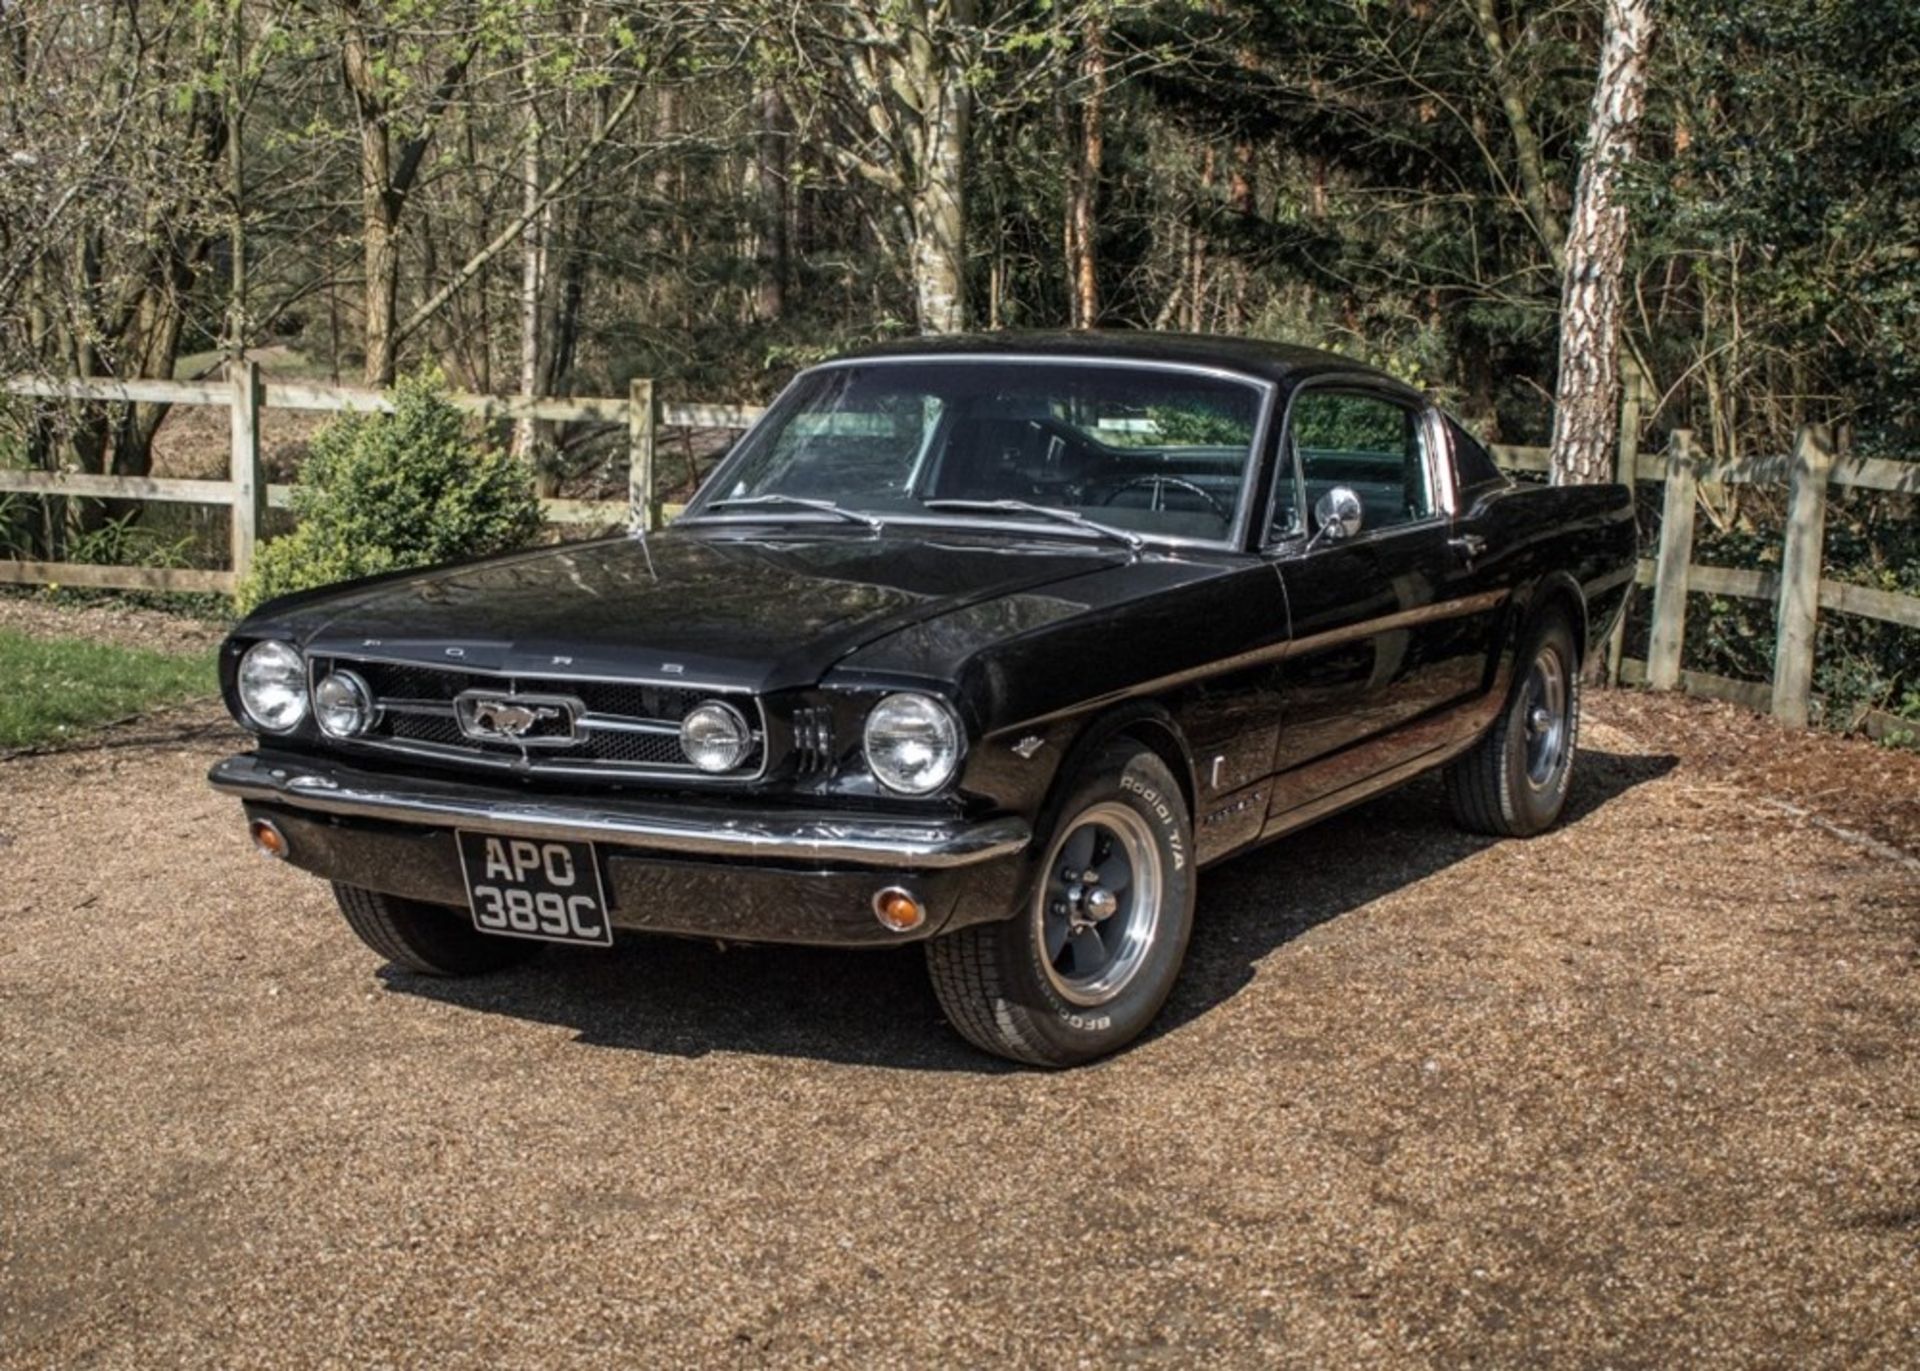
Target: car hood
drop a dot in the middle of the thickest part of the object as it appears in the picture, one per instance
(721, 608)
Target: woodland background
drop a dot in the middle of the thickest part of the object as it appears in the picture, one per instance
(556, 196)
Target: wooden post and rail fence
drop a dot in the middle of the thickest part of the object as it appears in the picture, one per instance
(1796, 590)
(247, 494)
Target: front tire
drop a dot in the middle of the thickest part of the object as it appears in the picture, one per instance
(1088, 961)
(1514, 783)
(432, 939)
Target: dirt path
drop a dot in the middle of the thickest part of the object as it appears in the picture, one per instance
(1645, 1091)
(107, 622)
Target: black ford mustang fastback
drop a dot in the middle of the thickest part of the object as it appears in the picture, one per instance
(990, 643)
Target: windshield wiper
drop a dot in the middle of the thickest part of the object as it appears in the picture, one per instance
(1065, 516)
(801, 502)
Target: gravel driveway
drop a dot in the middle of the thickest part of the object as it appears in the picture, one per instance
(1643, 1091)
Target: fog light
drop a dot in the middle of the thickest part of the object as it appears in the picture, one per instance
(268, 838)
(343, 705)
(898, 910)
(715, 737)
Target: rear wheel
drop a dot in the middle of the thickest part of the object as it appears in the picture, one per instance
(1514, 782)
(1090, 958)
(433, 939)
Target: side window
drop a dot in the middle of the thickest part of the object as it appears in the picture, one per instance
(1371, 444)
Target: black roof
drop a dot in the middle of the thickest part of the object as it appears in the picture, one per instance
(1280, 362)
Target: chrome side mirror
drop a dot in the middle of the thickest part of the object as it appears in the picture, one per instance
(1338, 514)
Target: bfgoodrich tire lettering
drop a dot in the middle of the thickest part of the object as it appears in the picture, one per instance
(429, 938)
(1088, 960)
(1514, 783)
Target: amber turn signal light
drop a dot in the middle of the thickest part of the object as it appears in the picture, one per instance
(268, 838)
(898, 910)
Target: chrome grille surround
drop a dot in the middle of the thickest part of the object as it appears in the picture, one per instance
(622, 728)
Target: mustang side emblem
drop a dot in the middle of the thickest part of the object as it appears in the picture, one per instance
(491, 718)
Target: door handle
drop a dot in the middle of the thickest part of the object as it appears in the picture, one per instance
(1468, 545)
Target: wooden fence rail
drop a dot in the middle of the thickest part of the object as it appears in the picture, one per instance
(245, 490)
(1797, 590)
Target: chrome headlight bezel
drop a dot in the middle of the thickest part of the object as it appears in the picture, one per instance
(347, 693)
(271, 686)
(715, 724)
(913, 742)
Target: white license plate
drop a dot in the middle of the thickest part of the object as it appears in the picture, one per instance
(534, 888)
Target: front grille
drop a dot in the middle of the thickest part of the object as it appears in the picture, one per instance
(619, 728)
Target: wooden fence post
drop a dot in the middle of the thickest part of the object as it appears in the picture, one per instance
(1632, 390)
(1627, 472)
(1670, 569)
(249, 482)
(1798, 618)
(643, 511)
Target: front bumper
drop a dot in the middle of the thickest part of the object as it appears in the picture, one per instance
(713, 870)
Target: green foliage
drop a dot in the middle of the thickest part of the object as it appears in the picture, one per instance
(1331, 422)
(51, 688)
(124, 542)
(1199, 425)
(14, 538)
(381, 492)
(1860, 664)
(1795, 201)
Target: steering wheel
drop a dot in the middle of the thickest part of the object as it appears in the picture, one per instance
(1160, 484)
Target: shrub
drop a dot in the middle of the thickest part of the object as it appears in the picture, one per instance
(382, 492)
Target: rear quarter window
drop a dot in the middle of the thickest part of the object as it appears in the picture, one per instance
(1473, 465)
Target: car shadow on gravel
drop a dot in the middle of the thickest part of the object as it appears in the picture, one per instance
(687, 998)
(1251, 905)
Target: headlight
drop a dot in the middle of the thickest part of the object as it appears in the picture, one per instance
(913, 743)
(715, 737)
(273, 686)
(343, 705)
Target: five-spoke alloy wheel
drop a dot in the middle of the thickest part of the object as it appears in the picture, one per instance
(1086, 970)
(1099, 903)
(1514, 782)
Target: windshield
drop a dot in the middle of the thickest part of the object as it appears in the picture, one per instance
(1139, 449)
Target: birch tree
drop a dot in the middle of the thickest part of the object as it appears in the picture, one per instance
(899, 73)
(1586, 416)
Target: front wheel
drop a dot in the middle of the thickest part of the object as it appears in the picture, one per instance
(1514, 782)
(1085, 965)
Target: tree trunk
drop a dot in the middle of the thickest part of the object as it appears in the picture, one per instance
(939, 206)
(1197, 248)
(1586, 415)
(236, 339)
(1526, 142)
(381, 258)
(1085, 263)
(379, 214)
(533, 254)
(770, 178)
(379, 249)
(385, 181)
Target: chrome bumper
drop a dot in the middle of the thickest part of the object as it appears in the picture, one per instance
(815, 836)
